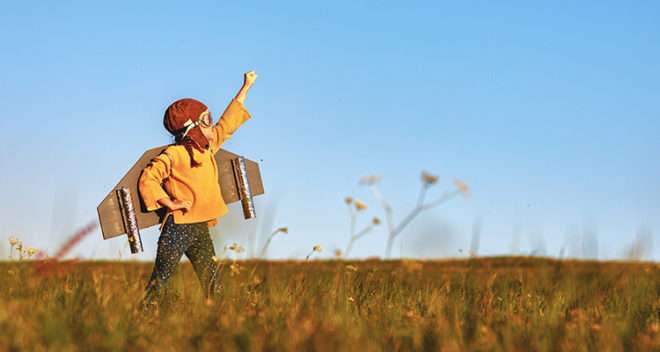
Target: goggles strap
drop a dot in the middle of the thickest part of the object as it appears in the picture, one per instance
(189, 125)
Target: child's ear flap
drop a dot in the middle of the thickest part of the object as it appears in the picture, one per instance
(198, 136)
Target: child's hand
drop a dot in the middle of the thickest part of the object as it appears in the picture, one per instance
(249, 78)
(183, 205)
(173, 205)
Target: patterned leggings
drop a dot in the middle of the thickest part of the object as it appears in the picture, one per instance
(176, 239)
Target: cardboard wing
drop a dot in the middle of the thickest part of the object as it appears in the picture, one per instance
(229, 178)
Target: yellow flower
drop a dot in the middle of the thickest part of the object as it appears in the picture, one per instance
(376, 221)
(429, 179)
(317, 248)
(31, 251)
(215, 259)
(462, 187)
(348, 200)
(360, 205)
(13, 240)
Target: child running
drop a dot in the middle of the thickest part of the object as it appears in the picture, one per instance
(184, 179)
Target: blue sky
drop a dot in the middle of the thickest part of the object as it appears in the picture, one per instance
(548, 111)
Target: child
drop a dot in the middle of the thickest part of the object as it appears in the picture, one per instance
(190, 191)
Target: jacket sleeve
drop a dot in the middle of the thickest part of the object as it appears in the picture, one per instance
(234, 116)
(151, 179)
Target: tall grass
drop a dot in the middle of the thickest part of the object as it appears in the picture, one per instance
(480, 304)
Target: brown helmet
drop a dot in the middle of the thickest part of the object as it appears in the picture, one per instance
(182, 119)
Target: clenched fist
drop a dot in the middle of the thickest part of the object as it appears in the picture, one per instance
(249, 78)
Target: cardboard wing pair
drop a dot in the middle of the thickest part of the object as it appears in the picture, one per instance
(123, 212)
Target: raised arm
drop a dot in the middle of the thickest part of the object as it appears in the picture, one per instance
(248, 80)
(234, 115)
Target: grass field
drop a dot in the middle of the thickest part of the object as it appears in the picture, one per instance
(485, 304)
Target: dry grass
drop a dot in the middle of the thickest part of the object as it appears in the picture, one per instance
(488, 304)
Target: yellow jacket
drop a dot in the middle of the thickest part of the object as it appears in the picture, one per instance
(171, 168)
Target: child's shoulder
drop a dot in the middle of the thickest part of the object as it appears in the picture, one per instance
(174, 152)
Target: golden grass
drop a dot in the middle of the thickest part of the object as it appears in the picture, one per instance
(486, 304)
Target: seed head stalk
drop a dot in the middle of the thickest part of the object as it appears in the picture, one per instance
(270, 238)
(316, 248)
(356, 206)
(428, 180)
(355, 237)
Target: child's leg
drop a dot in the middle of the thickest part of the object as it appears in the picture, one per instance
(201, 253)
(172, 242)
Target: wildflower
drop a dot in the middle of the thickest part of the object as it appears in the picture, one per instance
(351, 299)
(215, 259)
(375, 221)
(462, 187)
(348, 200)
(235, 247)
(351, 268)
(235, 269)
(429, 179)
(316, 248)
(270, 238)
(13, 241)
(369, 180)
(360, 205)
(31, 251)
(338, 253)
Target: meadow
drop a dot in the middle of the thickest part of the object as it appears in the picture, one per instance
(478, 304)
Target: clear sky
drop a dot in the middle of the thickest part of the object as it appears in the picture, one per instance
(548, 111)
